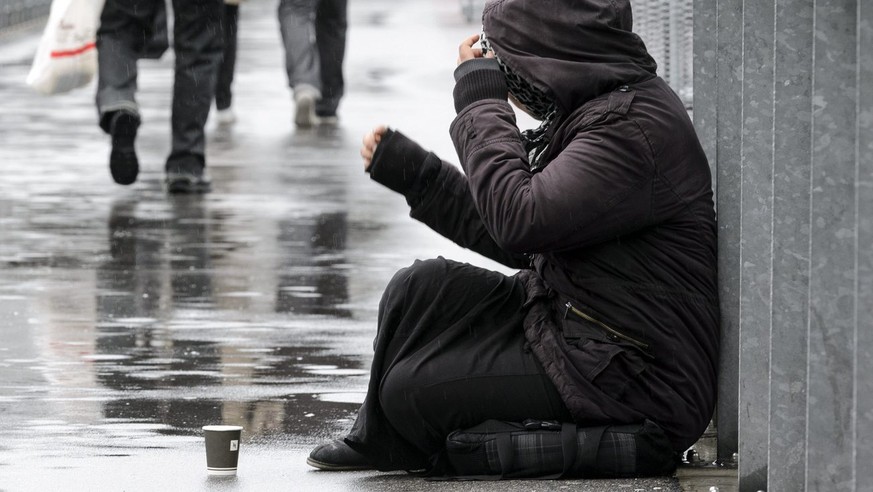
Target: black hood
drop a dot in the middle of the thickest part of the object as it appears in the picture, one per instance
(573, 50)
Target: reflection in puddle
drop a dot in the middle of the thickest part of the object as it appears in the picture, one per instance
(351, 397)
(308, 282)
(123, 426)
(240, 294)
(263, 419)
(338, 372)
(332, 370)
(104, 357)
(158, 361)
(171, 375)
(134, 321)
(309, 295)
(181, 311)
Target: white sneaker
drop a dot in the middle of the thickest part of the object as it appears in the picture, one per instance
(225, 116)
(304, 101)
(332, 120)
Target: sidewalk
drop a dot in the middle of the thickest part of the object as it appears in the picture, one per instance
(131, 318)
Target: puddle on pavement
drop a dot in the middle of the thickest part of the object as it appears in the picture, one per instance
(175, 312)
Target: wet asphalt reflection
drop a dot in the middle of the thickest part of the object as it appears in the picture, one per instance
(169, 327)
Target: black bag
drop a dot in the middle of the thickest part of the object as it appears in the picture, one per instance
(549, 449)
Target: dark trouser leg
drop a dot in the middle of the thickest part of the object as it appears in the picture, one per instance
(223, 95)
(198, 47)
(120, 38)
(450, 353)
(330, 33)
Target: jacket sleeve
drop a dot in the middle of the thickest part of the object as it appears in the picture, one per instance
(597, 188)
(438, 195)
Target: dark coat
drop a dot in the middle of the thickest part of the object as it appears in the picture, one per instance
(617, 232)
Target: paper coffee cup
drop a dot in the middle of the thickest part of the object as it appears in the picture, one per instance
(222, 448)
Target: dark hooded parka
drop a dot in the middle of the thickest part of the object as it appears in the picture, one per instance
(613, 226)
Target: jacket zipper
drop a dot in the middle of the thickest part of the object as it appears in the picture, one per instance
(606, 327)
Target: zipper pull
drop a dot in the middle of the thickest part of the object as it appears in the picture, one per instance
(567, 309)
(533, 425)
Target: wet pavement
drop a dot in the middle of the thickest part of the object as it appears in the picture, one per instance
(131, 318)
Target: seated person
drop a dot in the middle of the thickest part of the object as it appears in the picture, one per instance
(606, 210)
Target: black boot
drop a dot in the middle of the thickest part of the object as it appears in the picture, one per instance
(123, 163)
(186, 174)
(337, 456)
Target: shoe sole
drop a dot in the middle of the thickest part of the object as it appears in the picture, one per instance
(331, 467)
(327, 120)
(188, 186)
(304, 112)
(123, 166)
(123, 162)
(182, 188)
(225, 117)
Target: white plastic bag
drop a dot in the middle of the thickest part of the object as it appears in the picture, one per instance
(67, 54)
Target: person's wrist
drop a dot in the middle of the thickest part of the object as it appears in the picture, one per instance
(475, 64)
(397, 162)
(476, 80)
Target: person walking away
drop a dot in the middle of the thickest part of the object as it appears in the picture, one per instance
(314, 34)
(122, 38)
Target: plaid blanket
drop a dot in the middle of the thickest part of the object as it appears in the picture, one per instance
(537, 449)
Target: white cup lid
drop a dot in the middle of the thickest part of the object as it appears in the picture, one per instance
(222, 428)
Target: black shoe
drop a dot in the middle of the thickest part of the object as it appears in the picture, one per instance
(187, 182)
(186, 175)
(325, 118)
(337, 456)
(123, 163)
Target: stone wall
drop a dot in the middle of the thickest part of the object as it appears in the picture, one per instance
(783, 102)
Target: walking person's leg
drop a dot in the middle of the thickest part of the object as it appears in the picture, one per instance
(223, 92)
(120, 39)
(331, 23)
(198, 46)
(297, 25)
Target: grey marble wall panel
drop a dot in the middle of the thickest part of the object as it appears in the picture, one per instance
(705, 116)
(729, 78)
(791, 212)
(755, 244)
(864, 309)
(830, 459)
(793, 150)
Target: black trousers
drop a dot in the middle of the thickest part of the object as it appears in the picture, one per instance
(229, 23)
(331, 22)
(450, 353)
(126, 26)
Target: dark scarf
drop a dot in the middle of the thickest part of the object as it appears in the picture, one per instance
(537, 103)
